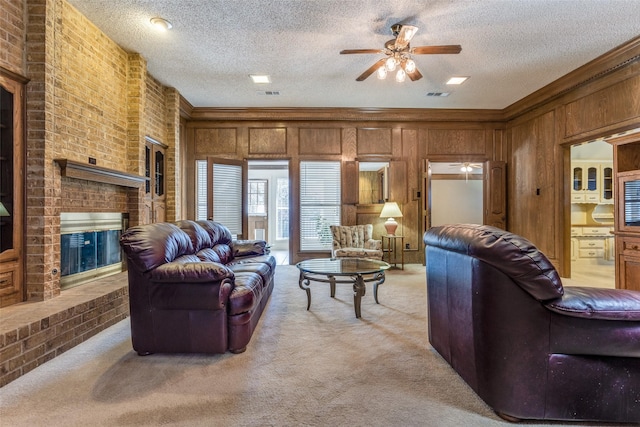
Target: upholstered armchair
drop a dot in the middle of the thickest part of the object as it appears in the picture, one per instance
(530, 347)
(355, 241)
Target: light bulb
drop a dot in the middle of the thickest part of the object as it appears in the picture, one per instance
(409, 66)
(390, 63)
(382, 73)
(400, 75)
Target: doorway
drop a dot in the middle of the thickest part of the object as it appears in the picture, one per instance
(268, 205)
(592, 214)
(455, 193)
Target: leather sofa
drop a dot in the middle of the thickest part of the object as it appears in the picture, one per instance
(192, 289)
(529, 347)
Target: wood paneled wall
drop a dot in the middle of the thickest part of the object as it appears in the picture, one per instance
(532, 136)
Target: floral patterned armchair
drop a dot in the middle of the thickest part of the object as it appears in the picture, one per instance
(355, 241)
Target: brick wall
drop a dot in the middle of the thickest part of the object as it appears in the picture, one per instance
(12, 30)
(86, 97)
(25, 347)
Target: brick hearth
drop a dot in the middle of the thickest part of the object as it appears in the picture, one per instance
(32, 333)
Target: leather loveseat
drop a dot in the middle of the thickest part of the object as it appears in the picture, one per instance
(194, 290)
(529, 347)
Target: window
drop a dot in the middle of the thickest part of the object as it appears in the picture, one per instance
(201, 190)
(282, 208)
(319, 203)
(227, 196)
(257, 193)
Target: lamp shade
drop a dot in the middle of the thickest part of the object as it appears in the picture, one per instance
(390, 210)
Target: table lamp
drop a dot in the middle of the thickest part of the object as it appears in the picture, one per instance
(390, 210)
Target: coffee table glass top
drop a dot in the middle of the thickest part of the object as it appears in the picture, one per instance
(342, 266)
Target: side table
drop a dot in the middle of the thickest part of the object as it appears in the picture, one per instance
(394, 254)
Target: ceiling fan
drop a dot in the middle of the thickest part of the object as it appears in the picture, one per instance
(466, 168)
(398, 54)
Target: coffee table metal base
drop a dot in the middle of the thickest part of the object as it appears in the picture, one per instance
(358, 280)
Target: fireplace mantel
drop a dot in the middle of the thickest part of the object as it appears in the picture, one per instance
(72, 169)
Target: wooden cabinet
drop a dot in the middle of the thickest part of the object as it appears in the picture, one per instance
(591, 243)
(11, 189)
(155, 185)
(626, 165)
(592, 182)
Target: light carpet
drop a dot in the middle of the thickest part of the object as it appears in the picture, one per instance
(321, 367)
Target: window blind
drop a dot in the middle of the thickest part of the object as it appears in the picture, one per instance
(227, 196)
(319, 203)
(201, 190)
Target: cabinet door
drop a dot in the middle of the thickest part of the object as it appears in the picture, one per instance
(11, 191)
(155, 166)
(606, 185)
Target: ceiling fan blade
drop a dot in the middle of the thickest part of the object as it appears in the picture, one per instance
(415, 75)
(422, 50)
(350, 51)
(404, 37)
(371, 70)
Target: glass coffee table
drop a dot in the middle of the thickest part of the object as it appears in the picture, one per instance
(357, 271)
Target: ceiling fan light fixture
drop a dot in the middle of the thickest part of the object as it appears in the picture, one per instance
(390, 63)
(409, 66)
(401, 75)
(382, 73)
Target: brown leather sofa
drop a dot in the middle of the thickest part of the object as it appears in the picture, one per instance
(194, 290)
(529, 347)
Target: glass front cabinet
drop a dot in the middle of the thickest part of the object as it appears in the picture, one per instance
(11, 189)
(154, 172)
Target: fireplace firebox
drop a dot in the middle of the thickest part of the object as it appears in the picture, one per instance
(90, 246)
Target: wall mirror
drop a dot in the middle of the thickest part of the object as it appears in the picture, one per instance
(373, 182)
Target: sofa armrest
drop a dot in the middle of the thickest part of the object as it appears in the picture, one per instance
(598, 303)
(373, 244)
(240, 248)
(190, 272)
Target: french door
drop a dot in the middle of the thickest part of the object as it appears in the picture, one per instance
(221, 188)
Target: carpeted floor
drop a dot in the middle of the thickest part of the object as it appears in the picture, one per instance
(321, 367)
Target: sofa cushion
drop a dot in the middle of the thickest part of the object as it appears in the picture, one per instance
(208, 255)
(150, 246)
(217, 232)
(198, 235)
(246, 294)
(514, 255)
(358, 252)
(264, 270)
(597, 303)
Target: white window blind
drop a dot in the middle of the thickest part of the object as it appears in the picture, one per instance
(227, 196)
(201, 190)
(319, 203)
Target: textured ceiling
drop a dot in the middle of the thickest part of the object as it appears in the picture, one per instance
(510, 48)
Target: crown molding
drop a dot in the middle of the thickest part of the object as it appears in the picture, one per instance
(346, 114)
(607, 63)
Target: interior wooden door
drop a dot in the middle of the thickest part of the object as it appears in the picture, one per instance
(495, 194)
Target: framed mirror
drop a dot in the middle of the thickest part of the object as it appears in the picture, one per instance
(373, 182)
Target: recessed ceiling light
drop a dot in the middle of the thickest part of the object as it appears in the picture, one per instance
(161, 23)
(260, 78)
(457, 80)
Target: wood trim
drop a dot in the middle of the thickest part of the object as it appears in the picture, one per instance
(13, 76)
(607, 63)
(346, 114)
(72, 169)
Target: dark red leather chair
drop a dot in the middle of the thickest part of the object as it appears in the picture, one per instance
(529, 347)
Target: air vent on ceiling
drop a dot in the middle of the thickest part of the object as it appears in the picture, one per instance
(440, 94)
(268, 92)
